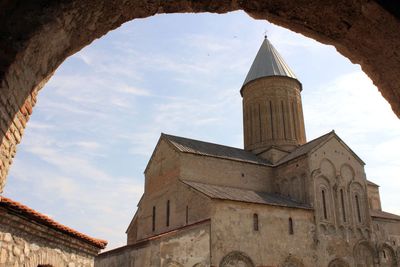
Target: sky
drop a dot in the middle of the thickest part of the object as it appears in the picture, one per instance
(98, 119)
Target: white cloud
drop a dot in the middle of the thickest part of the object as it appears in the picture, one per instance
(90, 145)
(133, 90)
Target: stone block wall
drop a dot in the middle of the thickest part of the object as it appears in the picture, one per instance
(234, 236)
(185, 247)
(29, 244)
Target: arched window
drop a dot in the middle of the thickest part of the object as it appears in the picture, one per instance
(358, 208)
(154, 219)
(255, 222)
(324, 204)
(291, 231)
(168, 211)
(342, 202)
(187, 214)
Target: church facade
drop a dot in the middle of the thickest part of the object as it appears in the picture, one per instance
(280, 201)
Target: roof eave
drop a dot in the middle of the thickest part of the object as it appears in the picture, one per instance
(272, 76)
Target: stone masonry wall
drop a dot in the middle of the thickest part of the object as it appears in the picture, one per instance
(13, 119)
(185, 247)
(28, 244)
(232, 230)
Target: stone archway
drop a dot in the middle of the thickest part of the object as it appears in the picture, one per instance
(45, 258)
(236, 259)
(360, 30)
(387, 256)
(173, 264)
(338, 263)
(363, 255)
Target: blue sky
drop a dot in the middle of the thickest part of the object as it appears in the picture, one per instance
(98, 119)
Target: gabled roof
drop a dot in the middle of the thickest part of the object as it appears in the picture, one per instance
(42, 219)
(372, 183)
(244, 195)
(268, 62)
(314, 144)
(384, 215)
(307, 147)
(197, 147)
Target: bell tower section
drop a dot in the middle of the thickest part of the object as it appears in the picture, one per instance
(272, 108)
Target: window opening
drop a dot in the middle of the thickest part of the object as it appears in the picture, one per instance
(358, 208)
(259, 122)
(168, 213)
(291, 232)
(255, 222)
(154, 219)
(283, 121)
(187, 214)
(271, 118)
(343, 209)
(324, 204)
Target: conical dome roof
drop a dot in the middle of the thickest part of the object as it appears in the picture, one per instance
(268, 62)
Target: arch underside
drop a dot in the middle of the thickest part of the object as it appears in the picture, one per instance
(363, 31)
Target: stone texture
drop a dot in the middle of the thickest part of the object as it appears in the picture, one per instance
(26, 243)
(188, 246)
(363, 31)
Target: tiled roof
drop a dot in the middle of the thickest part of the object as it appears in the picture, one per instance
(45, 220)
(244, 195)
(209, 149)
(384, 215)
(307, 147)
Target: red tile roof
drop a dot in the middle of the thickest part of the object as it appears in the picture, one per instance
(45, 220)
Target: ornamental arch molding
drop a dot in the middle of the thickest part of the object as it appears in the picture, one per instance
(360, 30)
(172, 264)
(327, 168)
(338, 263)
(45, 258)
(236, 258)
(364, 254)
(387, 256)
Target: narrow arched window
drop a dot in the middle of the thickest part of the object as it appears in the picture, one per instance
(168, 213)
(358, 208)
(154, 219)
(324, 204)
(187, 214)
(343, 208)
(255, 222)
(291, 231)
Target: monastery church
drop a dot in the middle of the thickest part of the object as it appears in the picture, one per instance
(280, 201)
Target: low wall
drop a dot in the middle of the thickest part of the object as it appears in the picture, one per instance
(26, 243)
(188, 246)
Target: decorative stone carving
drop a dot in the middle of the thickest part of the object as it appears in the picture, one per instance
(236, 259)
(338, 263)
(363, 255)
